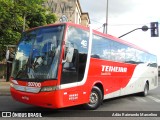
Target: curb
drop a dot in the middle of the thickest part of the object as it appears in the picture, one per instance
(5, 94)
(4, 88)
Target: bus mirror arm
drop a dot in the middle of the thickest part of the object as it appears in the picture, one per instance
(69, 55)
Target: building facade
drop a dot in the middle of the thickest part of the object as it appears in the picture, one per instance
(68, 10)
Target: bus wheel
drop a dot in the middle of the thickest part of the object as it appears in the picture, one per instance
(146, 89)
(95, 99)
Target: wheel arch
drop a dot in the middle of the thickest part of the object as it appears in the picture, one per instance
(96, 88)
(100, 86)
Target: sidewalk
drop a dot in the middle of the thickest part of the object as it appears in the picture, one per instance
(4, 87)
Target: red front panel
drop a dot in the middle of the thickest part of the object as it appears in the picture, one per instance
(41, 99)
(54, 99)
(44, 99)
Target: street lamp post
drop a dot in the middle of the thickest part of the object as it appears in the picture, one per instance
(143, 28)
(154, 29)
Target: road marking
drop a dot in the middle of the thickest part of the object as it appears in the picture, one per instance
(153, 98)
(140, 99)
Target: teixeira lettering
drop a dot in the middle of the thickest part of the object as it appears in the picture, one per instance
(113, 69)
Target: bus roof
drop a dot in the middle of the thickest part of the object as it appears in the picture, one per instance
(95, 32)
(109, 37)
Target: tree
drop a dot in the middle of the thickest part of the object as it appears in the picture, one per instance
(14, 13)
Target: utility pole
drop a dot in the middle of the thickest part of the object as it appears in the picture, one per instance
(106, 16)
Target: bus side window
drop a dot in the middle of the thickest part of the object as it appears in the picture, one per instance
(75, 70)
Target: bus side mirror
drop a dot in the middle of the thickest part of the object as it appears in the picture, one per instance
(7, 55)
(69, 55)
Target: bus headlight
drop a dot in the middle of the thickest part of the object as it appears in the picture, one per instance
(48, 88)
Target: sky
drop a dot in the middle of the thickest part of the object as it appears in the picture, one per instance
(124, 16)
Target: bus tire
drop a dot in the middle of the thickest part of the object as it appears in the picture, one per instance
(95, 99)
(146, 89)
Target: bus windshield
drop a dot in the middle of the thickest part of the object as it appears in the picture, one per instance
(38, 53)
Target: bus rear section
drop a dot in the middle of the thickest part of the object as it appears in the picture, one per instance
(122, 68)
(64, 65)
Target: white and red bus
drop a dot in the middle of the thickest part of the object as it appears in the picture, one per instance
(66, 64)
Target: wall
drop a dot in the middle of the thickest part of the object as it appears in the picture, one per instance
(70, 8)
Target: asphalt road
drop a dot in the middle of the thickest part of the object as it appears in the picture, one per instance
(130, 103)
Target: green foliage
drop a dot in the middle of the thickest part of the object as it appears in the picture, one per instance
(13, 13)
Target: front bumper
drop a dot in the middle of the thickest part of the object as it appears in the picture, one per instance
(43, 99)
